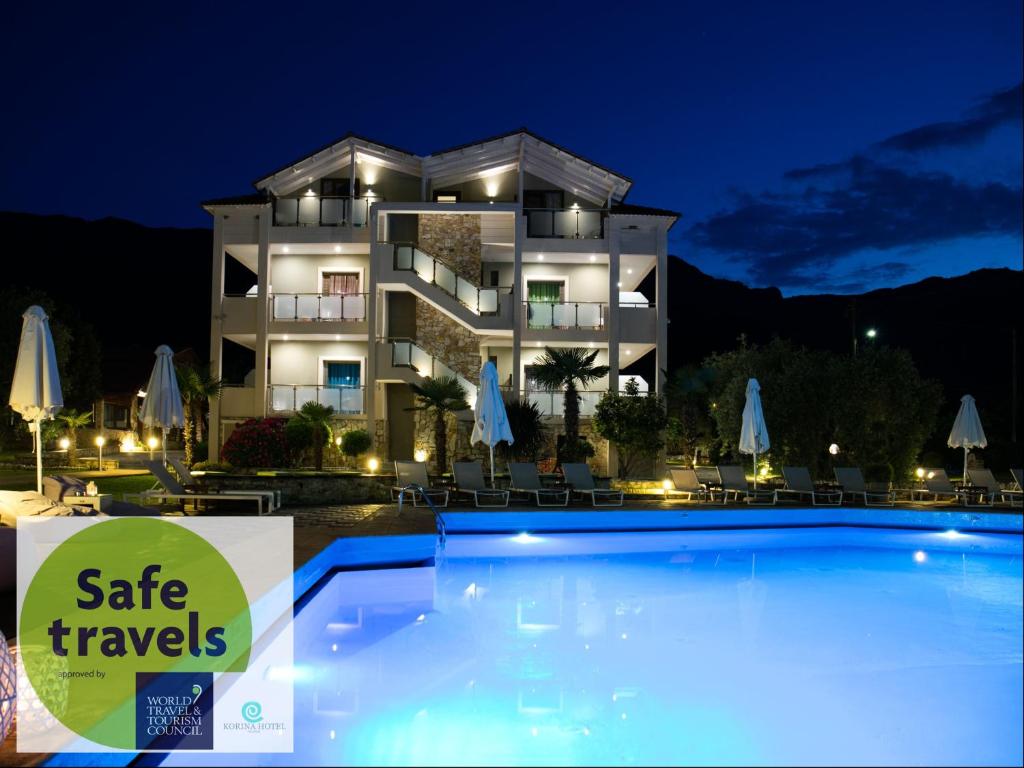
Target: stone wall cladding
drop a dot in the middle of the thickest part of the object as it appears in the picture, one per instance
(449, 342)
(455, 240)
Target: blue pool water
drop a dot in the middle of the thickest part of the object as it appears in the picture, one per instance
(735, 647)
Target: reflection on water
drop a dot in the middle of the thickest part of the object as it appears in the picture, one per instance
(841, 651)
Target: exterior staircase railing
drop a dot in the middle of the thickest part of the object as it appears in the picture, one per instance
(482, 301)
(406, 353)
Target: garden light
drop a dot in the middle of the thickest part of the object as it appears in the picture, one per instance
(919, 472)
(64, 443)
(420, 455)
(373, 465)
(833, 449)
(337, 441)
(100, 441)
(152, 443)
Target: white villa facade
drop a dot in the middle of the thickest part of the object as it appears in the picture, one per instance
(373, 267)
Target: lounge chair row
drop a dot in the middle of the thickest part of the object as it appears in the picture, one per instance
(525, 479)
(850, 485)
(167, 488)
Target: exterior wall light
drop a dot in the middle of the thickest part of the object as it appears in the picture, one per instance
(420, 455)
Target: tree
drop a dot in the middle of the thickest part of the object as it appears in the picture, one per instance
(318, 418)
(441, 396)
(74, 421)
(569, 369)
(527, 425)
(355, 442)
(633, 423)
(197, 388)
(686, 400)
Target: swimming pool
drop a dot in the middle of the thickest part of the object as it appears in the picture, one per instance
(799, 646)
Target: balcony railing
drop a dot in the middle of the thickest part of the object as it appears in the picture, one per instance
(566, 314)
(406, 353)
(323, 211)
(552, 402)
(568, 223)
(482, 301)
(320, 307)
(289, 398)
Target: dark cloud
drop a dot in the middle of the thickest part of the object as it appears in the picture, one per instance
(796, 240)
(999, 108)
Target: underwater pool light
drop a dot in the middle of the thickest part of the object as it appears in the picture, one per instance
(920, 556)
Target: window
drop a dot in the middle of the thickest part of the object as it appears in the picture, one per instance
(448, 196)
(543, 198)
(494, 277)
(115, 416)
(340, 283)
(545, 290)
(342, 374)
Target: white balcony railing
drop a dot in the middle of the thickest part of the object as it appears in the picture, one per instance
(320, 306)
(566, 314)
(289, 398)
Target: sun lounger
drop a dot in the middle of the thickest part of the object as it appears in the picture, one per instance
(851, 480)
(525, 479)
(174, 491)
(188, 479)
(938, 485)
(415, 473)
(579, 478)
(469, 480)
(799, 484)
(984, 478)
(733, 479)
(1018, 479)
(686, 481)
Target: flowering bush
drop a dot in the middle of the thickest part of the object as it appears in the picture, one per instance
(258, 443)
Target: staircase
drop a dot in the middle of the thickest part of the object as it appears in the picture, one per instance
(404, 360)
(406, 266)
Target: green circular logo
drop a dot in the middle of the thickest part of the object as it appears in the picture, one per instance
(122, 597)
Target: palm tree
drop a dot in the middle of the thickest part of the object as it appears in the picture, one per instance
(197, 389)
(319, 418)
(74, 421)
(443, 395)
(569, 368)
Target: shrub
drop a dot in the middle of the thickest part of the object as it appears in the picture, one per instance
(572, 451)
(212, 466)
(258, 443)
(633, 423)
(355, 442)
(299, 436)
(528, 431)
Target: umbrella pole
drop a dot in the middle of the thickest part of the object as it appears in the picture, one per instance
(39, 455)
(163, 444)
(965, 465)
(755, 470)
(492, 466)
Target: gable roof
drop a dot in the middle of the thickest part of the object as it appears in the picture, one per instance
(545, 156)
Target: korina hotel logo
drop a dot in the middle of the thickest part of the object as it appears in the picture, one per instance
(123, 627)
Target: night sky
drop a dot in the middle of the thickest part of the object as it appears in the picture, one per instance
(819, 146)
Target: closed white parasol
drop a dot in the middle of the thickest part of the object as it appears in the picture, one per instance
(754, 432)
(162, 406)
(967, 432)
(35, 390)
(491, 423)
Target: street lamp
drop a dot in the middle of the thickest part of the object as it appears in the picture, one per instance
(100, 441)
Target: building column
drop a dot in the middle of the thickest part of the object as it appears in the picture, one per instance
(373, 324)
(262, 312)
(661, 350)
(216, 334)
(614, 272)
(517, 305)
(661, 292)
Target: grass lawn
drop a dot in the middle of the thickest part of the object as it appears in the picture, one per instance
(20, 480)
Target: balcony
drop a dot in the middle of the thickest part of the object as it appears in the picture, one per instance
(289, 398)
(552, 402)
(323, 211)
(406, 353)
(566, 223)
(320, 307)
(546, 315)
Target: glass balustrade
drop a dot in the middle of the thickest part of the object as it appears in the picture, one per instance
(482, 301)
(289, 398)
(320, 306)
